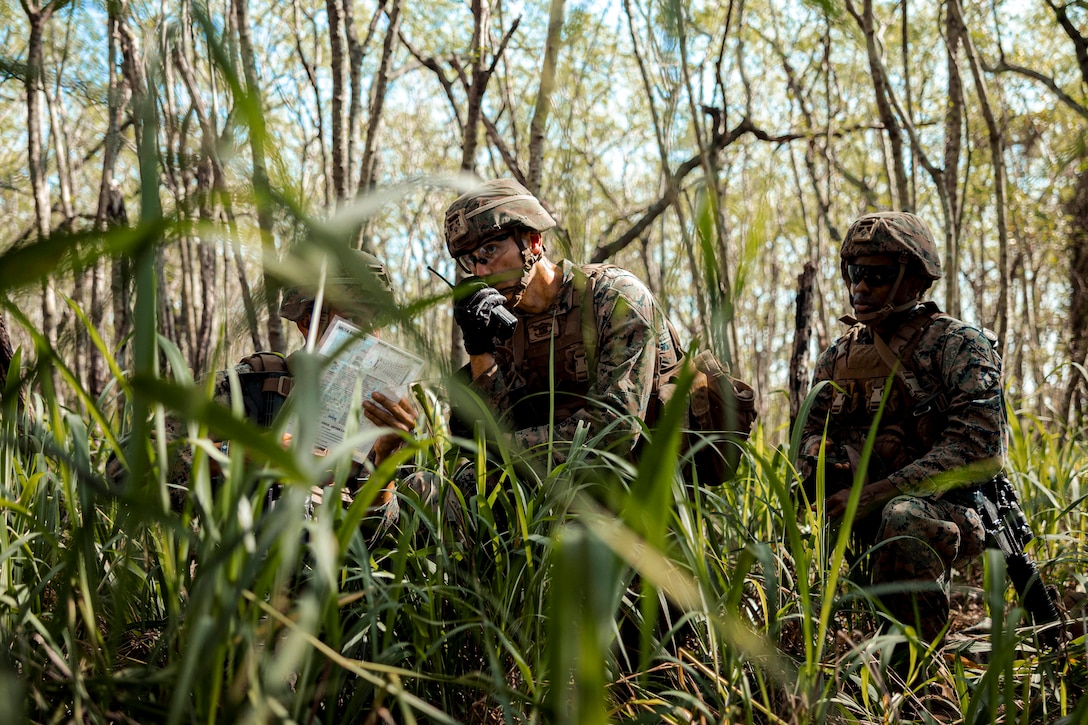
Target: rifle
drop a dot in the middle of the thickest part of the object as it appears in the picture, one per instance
(1007, 529)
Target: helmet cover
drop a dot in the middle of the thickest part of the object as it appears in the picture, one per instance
(895, 233)
(491, 210)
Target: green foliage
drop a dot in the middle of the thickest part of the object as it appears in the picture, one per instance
(592, 593)
(586, 591)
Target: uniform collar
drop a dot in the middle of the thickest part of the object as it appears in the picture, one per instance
(930, 307)
(564, 301)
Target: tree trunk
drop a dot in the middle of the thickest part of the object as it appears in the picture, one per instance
(186, 324)
(356, 52)
(6, 354)
(176, 319)
(66, 324)
(1077, 217)
(120, 275)
(368, 168)
(210, 185)
(123, 272)
(802, 333)
(206, 260)
(355, 55)
(997, 159)
(953, 134)
(477, 86)
(319, 116)
(339, 136)
(260, 174)
(552, 46)
(97, 369)
(908, 62)
(893, 133)
(37, 19)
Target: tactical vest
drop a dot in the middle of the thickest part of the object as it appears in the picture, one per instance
(264, 389)
(550, 336)
(913, 410)
(558, 351)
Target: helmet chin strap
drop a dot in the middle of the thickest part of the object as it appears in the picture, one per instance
(871, 318)
(528, 261)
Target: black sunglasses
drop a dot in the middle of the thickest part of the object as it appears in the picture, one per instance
(876, 275)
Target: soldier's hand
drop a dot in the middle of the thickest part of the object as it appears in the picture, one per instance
(873, 497)
(383, 411)
(389, 413)
(474, 305)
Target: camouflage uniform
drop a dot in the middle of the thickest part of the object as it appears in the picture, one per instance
(179, 449)
(591, 357)
(260, 407)
(631, 342)
(934, 450)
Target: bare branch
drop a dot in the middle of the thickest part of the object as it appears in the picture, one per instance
(719, 142)
(1003, 66)
(1080, 43)
(432, 64)
(544, 96)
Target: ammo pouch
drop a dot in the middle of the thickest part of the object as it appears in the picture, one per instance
(721, 413)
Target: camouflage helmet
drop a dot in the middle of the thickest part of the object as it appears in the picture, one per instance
(490, 210)
(896, 233)
(341, 286)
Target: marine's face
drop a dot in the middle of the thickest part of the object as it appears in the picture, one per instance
(499, 261)
(363, 317)
(871, 278)
(484, 255)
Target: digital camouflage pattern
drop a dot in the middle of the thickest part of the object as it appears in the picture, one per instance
(896, 233)
(489, 211)
(250, 378)
(922, 538)
(179, 450)
(265, 377)
(920, 457)
(631, 336)
(928, 457)
(435, 494)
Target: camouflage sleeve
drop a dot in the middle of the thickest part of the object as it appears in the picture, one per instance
(629, 324)
(628, 331)
(812, 433)
(972, 445)
(176, 433)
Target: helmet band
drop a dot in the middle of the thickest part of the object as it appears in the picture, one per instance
(497, 203)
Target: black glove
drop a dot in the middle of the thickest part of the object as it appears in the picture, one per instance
(479, 311)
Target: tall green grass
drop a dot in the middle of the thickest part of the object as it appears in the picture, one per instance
(591, 592)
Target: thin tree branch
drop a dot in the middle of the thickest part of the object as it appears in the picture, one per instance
(719, 142)
(1003, 66)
